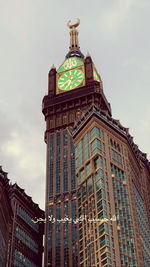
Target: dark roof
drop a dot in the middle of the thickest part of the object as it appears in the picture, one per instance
(76, 53)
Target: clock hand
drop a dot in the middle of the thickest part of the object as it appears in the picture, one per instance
(65, 82)
(69, 83)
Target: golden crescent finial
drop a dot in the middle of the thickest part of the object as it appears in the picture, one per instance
(73, 25)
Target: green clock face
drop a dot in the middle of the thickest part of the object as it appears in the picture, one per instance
(70, 79)
(69, 64)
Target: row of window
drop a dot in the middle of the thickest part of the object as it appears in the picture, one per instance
(64, 146)
(28, 219)
(51, 163)
(26, 239)
(74, 231)
(116, 158)
(96, 132)
(115, 145)
(65, 160)
(87, 208)
(123, 214)
(98, 163)
(117, 172)
(128, 261)
(58, 155)
(21, 260)
(58, 254)
(50, 236)
(89, 253)
(86, 188)
(143, 226)
(82, 149)
(73, 177)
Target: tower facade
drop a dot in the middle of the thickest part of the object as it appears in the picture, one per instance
(72, 90)
(113, 189)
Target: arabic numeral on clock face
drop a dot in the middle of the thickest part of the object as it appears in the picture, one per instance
(70, 63)
(74, 62)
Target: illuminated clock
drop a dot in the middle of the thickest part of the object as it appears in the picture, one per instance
(70, 79)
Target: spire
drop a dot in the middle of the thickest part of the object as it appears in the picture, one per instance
(74, 49)
(53, 67)
(88, 54)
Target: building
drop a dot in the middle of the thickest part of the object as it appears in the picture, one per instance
(71, 91)
(26, 235)
(104, 151)
(113, 178)
(5, 217)
(21, 227)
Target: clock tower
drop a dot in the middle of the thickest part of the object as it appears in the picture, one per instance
(72, 89)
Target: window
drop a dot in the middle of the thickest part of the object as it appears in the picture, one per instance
(88, 168)
(104, 240)
(80, 151)
(73, 209)
(73, 180)
(95, 132)
(90, 185)
(100, 194)
(100, 184)
(82, 175)
(102, 215)
(51, 163)
(103, 228)
(81, 256)
(65, 160)
(101, 205)
(66, 206)
(58, 213)
(86, 147)
(58, 147)
(83, 189)
(98, 162)
(57, 247)
(66, 246)
(96, 146)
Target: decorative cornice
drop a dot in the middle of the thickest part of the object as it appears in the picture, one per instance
(18, 191)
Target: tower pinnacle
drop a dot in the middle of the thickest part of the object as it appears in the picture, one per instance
(74, 49)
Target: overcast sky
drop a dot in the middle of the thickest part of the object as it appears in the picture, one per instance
(33, 37)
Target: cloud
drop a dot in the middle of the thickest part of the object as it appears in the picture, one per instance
(112, 18)
(23, 156)
(26, 151)
(13, 146)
